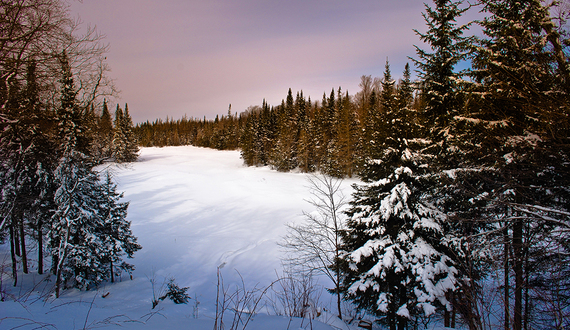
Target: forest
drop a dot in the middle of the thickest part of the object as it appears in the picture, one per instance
(465, 172)
(52, 138)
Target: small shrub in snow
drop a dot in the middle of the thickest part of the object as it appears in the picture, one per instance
(175, 293)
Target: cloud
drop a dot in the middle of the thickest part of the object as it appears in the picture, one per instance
(177, 57)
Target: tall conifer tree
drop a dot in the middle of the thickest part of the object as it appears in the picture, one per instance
(521, 127)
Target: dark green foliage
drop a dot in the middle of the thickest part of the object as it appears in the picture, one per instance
(114, 232)
(125, 148)
(441, 85)
(52, 198)
(88, 231)
(175, 293)
(297, 134)
(105, 133)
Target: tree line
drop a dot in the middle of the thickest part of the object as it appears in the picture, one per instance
(464, 210)
(332, 136)
(56, 133)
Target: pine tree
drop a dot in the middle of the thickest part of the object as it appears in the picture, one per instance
(26, 154)
(332, 159)
(119, 138)
(115, 233)
(370, 125)
(132, 148)
(442, 91)
(73, 245)
(517, 129)
(441, 83)
(88, 231)
(125, 148)
(249, 137)
(105, 130)
(285, 153)
(379, 130)
(398, 263)
(347, 135)
(397, 252)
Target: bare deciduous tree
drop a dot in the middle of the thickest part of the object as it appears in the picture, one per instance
(314, 245)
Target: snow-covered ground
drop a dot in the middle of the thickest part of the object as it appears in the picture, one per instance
(194, 210)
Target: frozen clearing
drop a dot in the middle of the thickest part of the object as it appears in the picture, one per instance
(193, 210)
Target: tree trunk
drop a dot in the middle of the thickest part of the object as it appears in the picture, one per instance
(13, 254)
(112, 273)
(446, 313)
(454, 310)
(518, 269)
(506, 270)
(60, 260)
(23, 247)
(54, 262)
(16, 239)
(40, 248)
(527, 306)
(402, 322)
(57, 280)
(337, 270)
(58, 269)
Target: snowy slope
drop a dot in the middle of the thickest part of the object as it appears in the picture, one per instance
(193, 210)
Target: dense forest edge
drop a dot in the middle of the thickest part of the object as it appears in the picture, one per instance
(466, 173)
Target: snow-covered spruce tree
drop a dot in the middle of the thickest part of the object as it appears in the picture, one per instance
(119, 139)
(307, 139)
(346, 138)
(442, 89)
(72, 242)
(397, 251)
(105, 133)
(248, 138)
(115, 232)
(132, 148)
(88, 228)
(399, 255)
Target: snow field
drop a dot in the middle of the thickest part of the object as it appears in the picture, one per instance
(193, 210)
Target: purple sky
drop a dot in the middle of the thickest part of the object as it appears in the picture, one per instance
(177, 57)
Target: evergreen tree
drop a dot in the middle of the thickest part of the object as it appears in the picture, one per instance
(132, 148)
(331, 163)
(285, 153)
(26, 156)
(116, 235)
(379, 130)
(119, 138)
(249, 151)
(371, 127)
(73, 245)
(517, 129)
(125, 148)
(347, 135)
(440, 83)
(105, 130)
(442, 94)
(88, 230)
(397, 252)
(398, 249)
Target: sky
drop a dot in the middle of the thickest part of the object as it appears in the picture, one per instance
(172, 58)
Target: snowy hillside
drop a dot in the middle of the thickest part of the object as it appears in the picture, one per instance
(193, 210)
